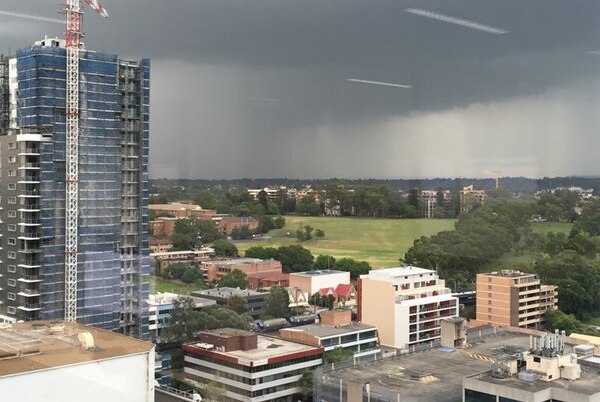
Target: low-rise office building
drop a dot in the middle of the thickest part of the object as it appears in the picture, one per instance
(182, 210)
(227, 224)
(160, 306)
(66, 362)
(266, 280)
(513, 298)
(215, 270)
(336, 330)
(406, 304)
(255, 300)
(249, 367)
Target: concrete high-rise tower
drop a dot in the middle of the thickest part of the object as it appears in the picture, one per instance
(112, 249)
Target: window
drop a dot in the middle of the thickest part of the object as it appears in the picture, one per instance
(11, 255)
(11, 296)
(12, 159)
(12, 241)
(12, 227)
(12, 145)
(12, 173)
(12, 186)
(11, 268)
(12, 214)
(11, 310)
(11, 282)
(12, 200)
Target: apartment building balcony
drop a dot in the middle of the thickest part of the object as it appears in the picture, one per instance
(30, 222)
(29, 151)
(29, 292)
(30, 166)
(30, 250)
(30, 278)
(31, 306)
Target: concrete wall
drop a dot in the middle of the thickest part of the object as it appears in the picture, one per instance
(124, 379)
(312, 284)
(378, 309)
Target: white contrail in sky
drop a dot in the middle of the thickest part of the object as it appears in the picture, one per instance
(456, 21)
(385, 84)
(30, 17)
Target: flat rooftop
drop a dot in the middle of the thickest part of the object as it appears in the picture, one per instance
(386, 273)
(226, 292)
(40, 345)
(268, 347)
(587, 384)
(323, 331)
(435, 375)
(236, 261)
(318, 273)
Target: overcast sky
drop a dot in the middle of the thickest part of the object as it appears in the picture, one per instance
(259, 88)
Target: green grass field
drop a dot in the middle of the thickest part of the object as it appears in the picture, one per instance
(545, 227)
(158, 284)
(381, 242)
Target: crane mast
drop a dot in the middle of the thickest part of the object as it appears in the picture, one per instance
(73, 45)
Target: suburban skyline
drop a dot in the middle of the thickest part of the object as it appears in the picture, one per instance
(278, 88)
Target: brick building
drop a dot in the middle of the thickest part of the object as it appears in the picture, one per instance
(214, 270)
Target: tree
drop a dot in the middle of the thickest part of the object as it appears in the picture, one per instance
(264, 253)
(234, 279)
(241, 233)
(206, 199)
(305, 233)
(266, 223)
(308, 206)
(306, 384)
(277, 303)
(319, 233)
(279, 222)
(263, 198)
(356, 268)
(238, 304)
(294, 258)
(324, 262)
(191, 275)
(556, 319)
(175, 271)
(223, 248)
(338, 355)
(589, 221)
(191, 232)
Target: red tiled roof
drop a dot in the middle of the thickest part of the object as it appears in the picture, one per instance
(328, 291)
(344, 289)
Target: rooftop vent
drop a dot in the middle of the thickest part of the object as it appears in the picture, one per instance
(87, 340)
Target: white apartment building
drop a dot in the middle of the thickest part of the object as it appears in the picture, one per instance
(406, 304)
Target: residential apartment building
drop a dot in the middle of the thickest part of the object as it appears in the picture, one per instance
(513, 298)
(194, 258)
(406, 304)
(430, 200)
(68, 362)
(227, 224)
(113, 250)
(214, 270)
(469, 197)
(336, 330)
(249, 367)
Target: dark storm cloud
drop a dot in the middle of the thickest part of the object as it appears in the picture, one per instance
(258, 87)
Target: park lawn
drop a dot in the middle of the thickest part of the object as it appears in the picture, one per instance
(158, 284)
(381, 242)
(546, 227)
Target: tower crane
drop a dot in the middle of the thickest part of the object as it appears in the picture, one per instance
(74, 14)
(496, 174)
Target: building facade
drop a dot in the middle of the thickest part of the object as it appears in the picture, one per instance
(336, 330)
(160, 307)
(406, 304)
(113, 250)
(313, 281)
(249, 367)
(215, 270)
(513, 298)
(255, 300)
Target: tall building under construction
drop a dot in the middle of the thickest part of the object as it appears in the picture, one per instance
(112, 249)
